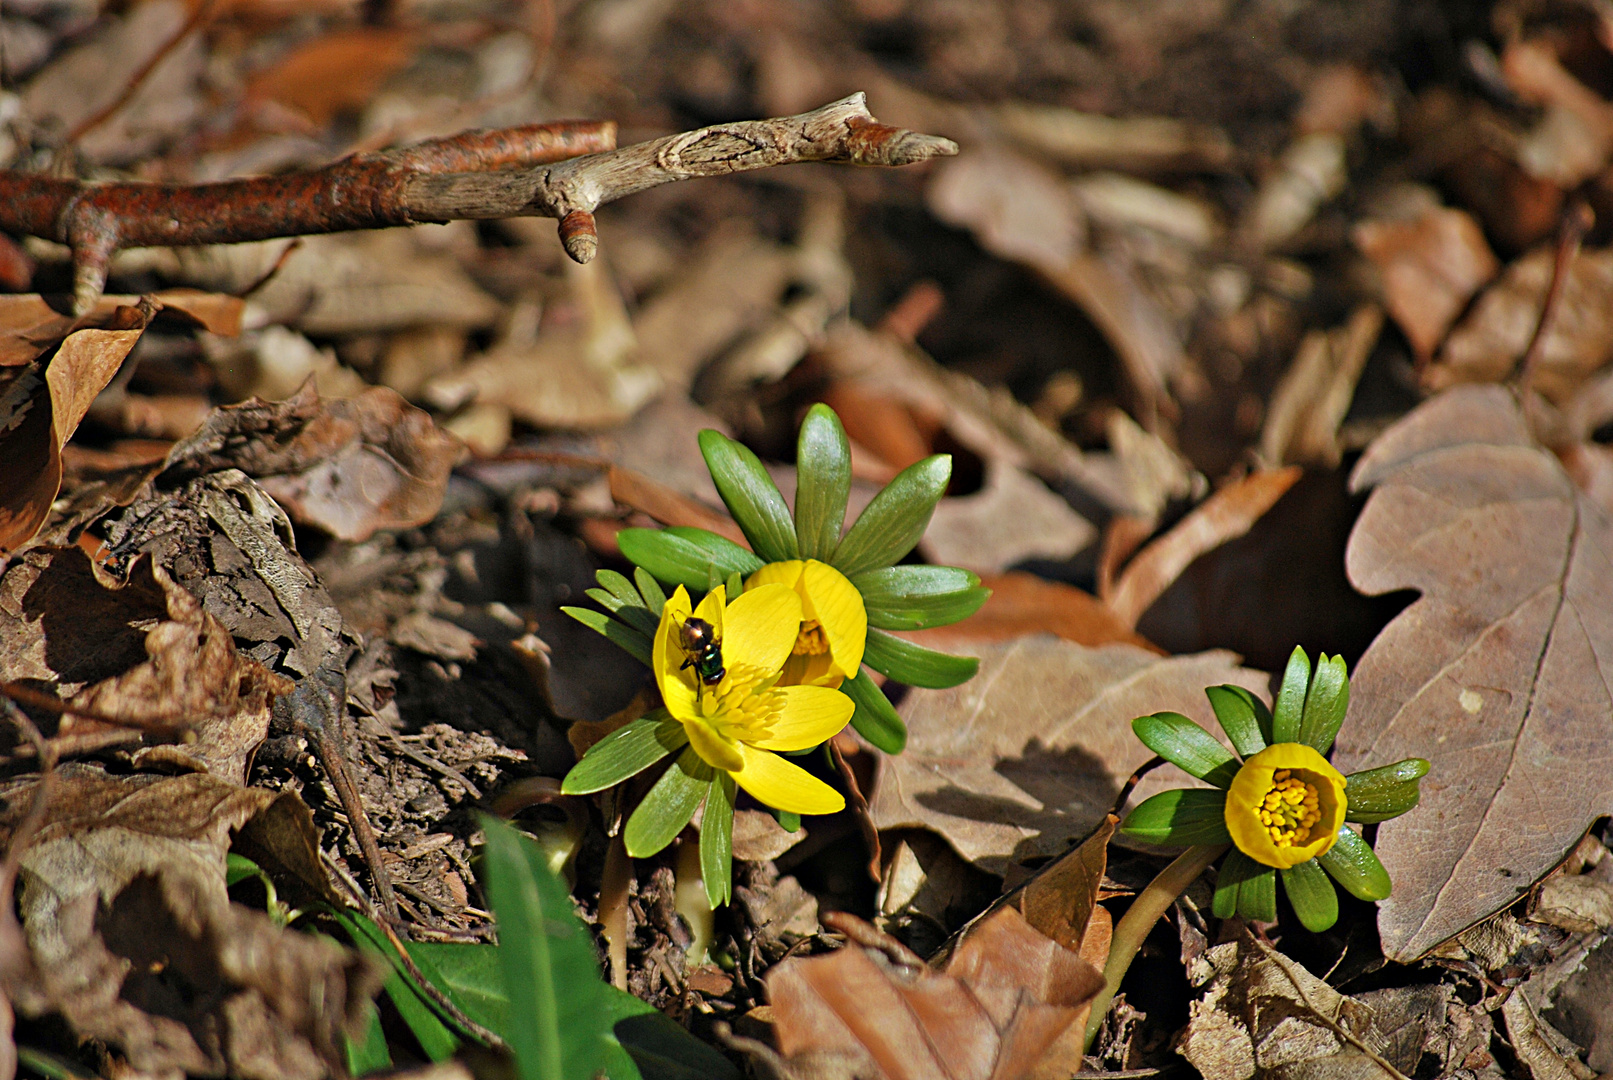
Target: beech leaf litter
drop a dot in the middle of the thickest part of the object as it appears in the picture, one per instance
(473, 607)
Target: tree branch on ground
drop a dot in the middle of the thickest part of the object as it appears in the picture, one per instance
(490, 174)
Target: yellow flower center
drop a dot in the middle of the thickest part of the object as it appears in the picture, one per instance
(811, 641)
(743, 706)
(1290, 809)
(1286, 805)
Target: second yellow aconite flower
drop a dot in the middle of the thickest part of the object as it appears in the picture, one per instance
(738, 724)
(1286, 805)
(834, 624)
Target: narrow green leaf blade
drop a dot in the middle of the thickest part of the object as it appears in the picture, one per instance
(914, 597)
(1380, 794)
(1257, 893)
(875, 719)
(1235, 869)
(650, 590)
(625, 752)
(1240, 716)
(668, 806)
(1181, 816)
(895, 520)
(370, 1053)
(822, 483)
(619, 587)
(1325, 703)
(547, 960)
(1312, 894)
(686, 556)
(717, 840)
(624, 637)
(1353, 865)
(1187, 746)
(661, 1047)
(436, 1041)
(914, 664)
(751, 496)
(1289, 712)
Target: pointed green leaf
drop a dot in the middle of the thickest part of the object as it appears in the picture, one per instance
(751, 496)
(1288, 714)
(822, 483)
(875, 718)
(619, 587)
(650, 590)
(914, 597)
(914, 664)
(1187, 746)
(1236, 870)
(733, 587)
(717, 840)
(547, 959)
(1380, 794)
(1181, 816)
(685, 556)
(436, 1041)
(1325, 703)
(368, 1054)
(1353, 865)
(605, 599)
(668, 806)
(895, 520)
(625, 752)
(1244, 717)
(632, 642)
(1257, 895)
(1312, 895)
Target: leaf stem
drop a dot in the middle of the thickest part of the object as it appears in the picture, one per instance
(1139, 919)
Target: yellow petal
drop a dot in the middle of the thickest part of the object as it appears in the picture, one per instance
(667, 657)
(777, 783)
(711, 608)
(838, 606)
(715, 750)
(1256, 777)
(760, 627)
(811, 714)
(786, 573)
(815, 670)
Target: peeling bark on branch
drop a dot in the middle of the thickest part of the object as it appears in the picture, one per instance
(492, 174)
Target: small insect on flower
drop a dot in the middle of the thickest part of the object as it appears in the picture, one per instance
(702, 650)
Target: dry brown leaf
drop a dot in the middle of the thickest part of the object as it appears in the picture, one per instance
(1021, 604)
(1014, 517)
(1030, 753)
(874, 1010)
(1572, 141)
(1493, 338)
(1141, 143)
(670, 507)
(581, 372)
(337, 73)
(733, 284)
(40, 408)
(348, 283)
(1500, 673)
(145, 652)
(1315, 393)
(350, 466)
(1264, 1015)
(82, 81)
(1310, 173)
(1431, 266)
(133, 939)
(1226, 515)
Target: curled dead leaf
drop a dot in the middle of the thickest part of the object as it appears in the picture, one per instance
(132, 938)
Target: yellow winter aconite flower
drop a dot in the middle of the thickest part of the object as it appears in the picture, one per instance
(1286, 805)
(737, 724)
(834, 624)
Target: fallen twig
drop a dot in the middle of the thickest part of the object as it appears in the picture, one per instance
(493, 174)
